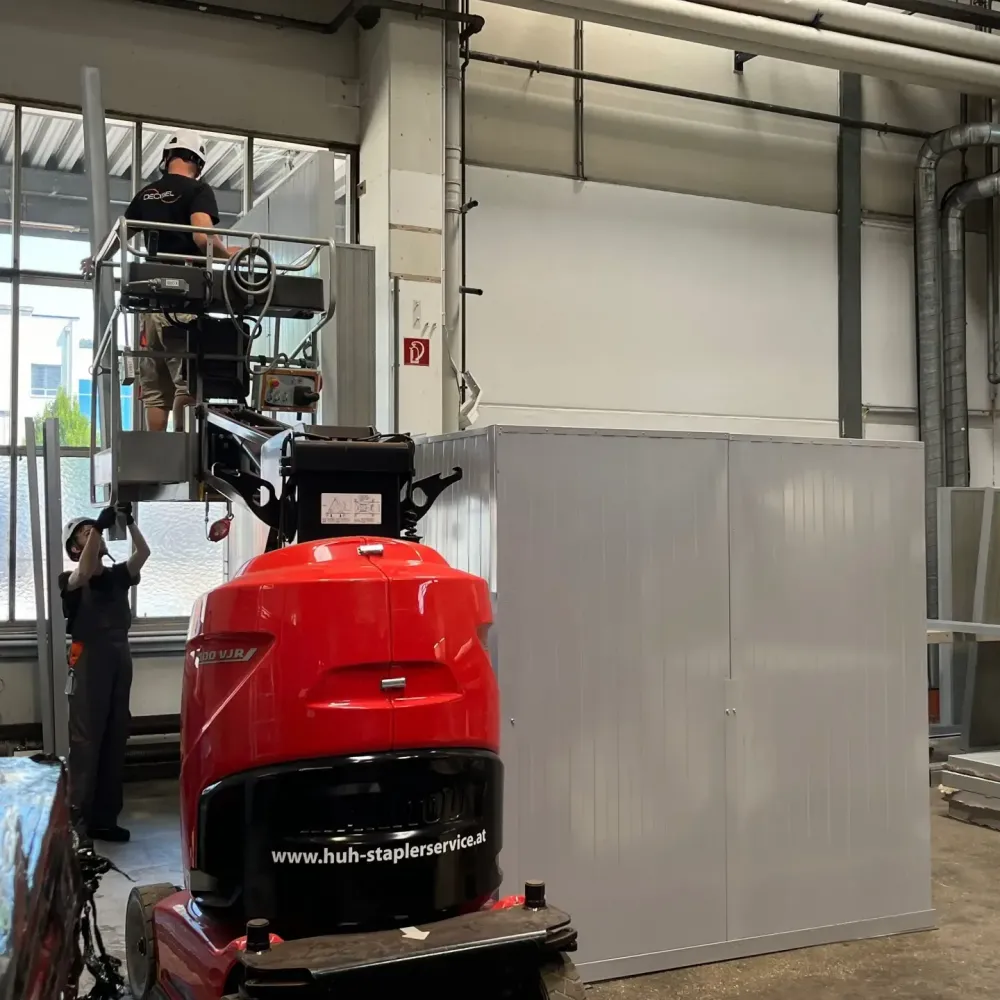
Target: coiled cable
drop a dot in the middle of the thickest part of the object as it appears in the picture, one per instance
(251, 271)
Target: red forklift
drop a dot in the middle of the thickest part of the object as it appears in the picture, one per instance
(341, 785)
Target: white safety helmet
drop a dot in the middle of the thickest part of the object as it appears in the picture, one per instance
(185, 140)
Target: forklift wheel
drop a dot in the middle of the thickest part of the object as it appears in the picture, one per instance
(560, 980)
(140, 945)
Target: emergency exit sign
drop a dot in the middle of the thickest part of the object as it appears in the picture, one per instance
(417, 351)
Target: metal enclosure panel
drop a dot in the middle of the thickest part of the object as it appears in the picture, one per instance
(827, 742)
(462, 523)
(613, 590)
(347, 342)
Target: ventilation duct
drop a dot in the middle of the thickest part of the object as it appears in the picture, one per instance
(927, 249)
(956, 379)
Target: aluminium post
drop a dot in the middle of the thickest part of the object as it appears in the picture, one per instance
(95, 148)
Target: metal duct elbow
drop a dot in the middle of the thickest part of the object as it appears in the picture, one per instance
(927, 251)
(953, 297)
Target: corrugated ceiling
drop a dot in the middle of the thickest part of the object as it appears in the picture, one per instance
(53, 140)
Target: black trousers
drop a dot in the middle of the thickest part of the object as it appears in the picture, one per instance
(98, 730)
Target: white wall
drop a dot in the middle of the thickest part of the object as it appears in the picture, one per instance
(628, 307)
(173, 65)
(691, 281)
(615, 306)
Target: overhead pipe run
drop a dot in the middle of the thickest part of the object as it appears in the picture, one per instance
(587, 76)
(365, 12)
(953, 294)
(925, 58)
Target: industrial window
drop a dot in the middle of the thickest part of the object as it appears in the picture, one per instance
(45, 379)
(47, 326)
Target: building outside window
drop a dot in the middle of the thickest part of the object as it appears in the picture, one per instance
(47, 327)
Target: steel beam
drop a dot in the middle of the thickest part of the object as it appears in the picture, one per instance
(849, 261)
(60, 200)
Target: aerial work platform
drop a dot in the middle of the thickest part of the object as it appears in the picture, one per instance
(225, 323)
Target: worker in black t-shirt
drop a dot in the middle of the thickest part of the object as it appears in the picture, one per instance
(181, 198)
(96, 602)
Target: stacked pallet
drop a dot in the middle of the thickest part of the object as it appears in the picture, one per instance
(970, 784)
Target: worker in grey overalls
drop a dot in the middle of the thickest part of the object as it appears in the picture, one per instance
(97, 605)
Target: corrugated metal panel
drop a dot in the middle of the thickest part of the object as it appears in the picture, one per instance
(612, 568)
(354, 327)
(462, 524)
(828, 818)
(673, 831)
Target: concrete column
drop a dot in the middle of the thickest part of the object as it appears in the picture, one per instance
(402, 211)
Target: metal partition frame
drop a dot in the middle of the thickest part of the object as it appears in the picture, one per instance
(47, 563)
(45, 694)
(969, 672)
(54, 567)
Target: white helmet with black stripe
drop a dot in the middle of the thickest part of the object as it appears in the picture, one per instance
(187, 143)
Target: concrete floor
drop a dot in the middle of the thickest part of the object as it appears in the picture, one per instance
(959, 961)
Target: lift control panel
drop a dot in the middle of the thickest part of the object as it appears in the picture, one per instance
(287, 390)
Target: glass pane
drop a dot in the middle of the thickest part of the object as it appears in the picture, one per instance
(342, 182)
(6, 174)
(183, 564)
(75, 501)
(55, 190)
(224, 169)
(274, 161)
(55, 355)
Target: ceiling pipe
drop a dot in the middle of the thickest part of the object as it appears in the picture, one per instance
(966, 13)
(365, 11)
(848, 17)
(918, 61)
(956, 379)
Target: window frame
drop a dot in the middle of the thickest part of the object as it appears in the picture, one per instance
(40, 389)
(14, 276)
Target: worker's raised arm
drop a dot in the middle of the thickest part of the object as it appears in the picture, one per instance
(90, 559)
(140, 547)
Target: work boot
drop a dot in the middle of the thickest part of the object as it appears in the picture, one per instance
(109, 834)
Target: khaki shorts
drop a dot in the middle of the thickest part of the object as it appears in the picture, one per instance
(162, 380)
